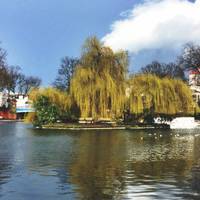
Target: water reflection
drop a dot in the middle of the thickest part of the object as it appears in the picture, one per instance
(124, 166)
(98, 164)
(196, 167)
(6, 152)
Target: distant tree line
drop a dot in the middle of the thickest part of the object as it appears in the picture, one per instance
(12, 78)
(188, 60)
(162, 70)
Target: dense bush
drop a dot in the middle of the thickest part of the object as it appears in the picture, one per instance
(50, 105)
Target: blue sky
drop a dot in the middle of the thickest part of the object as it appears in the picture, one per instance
(38, 33)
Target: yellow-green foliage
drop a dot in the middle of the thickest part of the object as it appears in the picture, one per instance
(56, 97)
(98, 85)
(30, 117)
(167, 96)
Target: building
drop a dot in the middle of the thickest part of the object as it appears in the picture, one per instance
(194, 83)
(3, 99)
(23, 105)
(14, 106)
(7, 106)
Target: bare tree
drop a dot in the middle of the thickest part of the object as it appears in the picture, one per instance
(26, 83)
(190, 57)
(65, 72)
(3, 55)
(3, 70)
(12, 79)
(14, 73)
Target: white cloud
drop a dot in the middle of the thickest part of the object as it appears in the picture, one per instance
(156, 24)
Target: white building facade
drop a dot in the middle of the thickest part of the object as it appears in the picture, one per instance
(194, 83)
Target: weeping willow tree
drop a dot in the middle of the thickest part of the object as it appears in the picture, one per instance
(98, 84)
(159, 96)
(50, 104)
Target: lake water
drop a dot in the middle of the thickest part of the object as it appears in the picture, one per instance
(98, 165)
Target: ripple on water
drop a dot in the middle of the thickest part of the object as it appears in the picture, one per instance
(98, 165)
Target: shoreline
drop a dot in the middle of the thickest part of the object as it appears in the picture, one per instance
(84, 128)
(101, 127)
(77, 127)
(11, 120)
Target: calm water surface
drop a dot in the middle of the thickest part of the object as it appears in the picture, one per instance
(38, 164)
